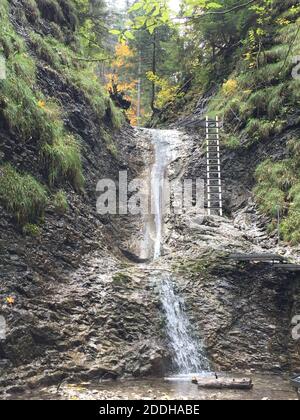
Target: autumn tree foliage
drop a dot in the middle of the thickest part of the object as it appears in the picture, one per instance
(121, 82)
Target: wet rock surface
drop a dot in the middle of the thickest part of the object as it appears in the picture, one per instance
(241, 311)
(99, 321)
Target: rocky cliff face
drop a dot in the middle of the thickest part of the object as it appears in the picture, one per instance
(39, 273)
(241, 311)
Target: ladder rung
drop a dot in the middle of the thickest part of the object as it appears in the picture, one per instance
(213, 161)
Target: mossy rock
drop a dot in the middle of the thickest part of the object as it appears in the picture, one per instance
(121, 279)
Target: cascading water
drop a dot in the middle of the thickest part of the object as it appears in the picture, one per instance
(163, 156)
(188, 355)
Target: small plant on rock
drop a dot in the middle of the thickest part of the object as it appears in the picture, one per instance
(60, 202)
(31, 230)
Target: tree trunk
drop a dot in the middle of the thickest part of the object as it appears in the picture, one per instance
(154, 73)
(138, 116)
(224, 383)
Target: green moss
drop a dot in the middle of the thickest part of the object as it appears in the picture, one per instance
(276, 53)
(116, 115)
(63, 160)
(120, 279)
(290, 227)
(270, 199)
(22, 195)
(279, 174)
(31, 230)
(36, 118)
(32, 11)
(278, 188)
(44, 50)
(293, 94)
(51, 10)
(232, 111)
(20, 100)
(82, 75)
(53, 51)
(271, 187)
(57, 31)
(10, 42)
(60, 202)
(261, 129)
(201, 265)
(86, 80)
(231, 141)
(287, 33)
(18, 103)
(110, 144)
(294, 150)
(256, 110)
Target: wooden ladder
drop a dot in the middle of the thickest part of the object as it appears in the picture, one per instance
(214, 181)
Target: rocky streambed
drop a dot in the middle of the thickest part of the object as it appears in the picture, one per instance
(266, 387)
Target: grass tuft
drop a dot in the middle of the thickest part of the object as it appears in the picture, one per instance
(31, 230)
(60, 202)
(22, 195)
(63, 160)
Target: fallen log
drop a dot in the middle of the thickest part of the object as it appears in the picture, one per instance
(223, 383)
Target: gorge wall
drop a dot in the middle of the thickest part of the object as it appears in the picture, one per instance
(58, 98)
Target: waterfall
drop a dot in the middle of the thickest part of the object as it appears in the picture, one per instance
(161, 143)
(188, 355)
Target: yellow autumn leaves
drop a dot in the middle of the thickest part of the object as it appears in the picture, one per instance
(167, 92)
(41, 104)
(10, 300)
(230, 87)
(120, 77)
